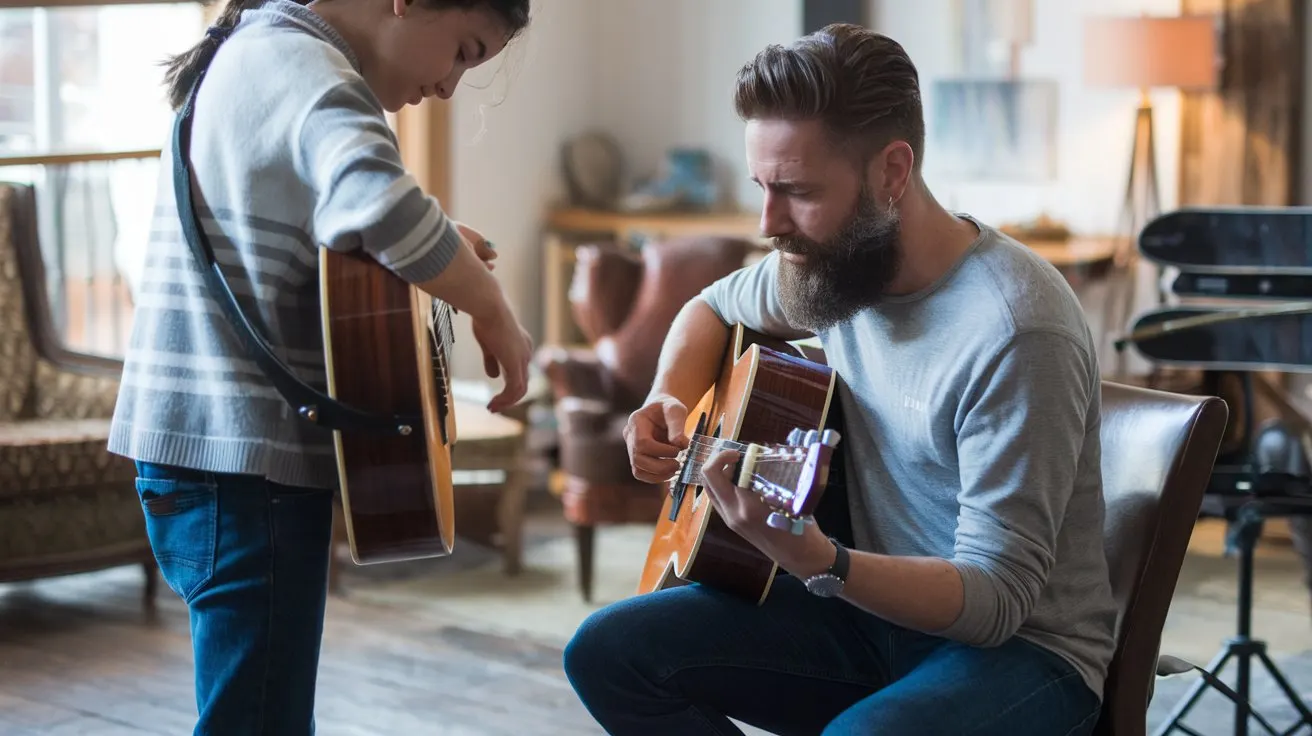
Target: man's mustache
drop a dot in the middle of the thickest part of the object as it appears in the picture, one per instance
(794, 246)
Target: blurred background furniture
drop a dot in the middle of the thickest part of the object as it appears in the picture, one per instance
(624, 303)
(66, 504)
(569, 227)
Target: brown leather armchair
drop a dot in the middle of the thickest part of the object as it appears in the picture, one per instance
(624, 303)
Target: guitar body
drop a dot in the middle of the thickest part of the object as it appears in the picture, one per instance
(382, 355)
(764, 391)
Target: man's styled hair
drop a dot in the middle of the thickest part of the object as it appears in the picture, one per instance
(860, 84)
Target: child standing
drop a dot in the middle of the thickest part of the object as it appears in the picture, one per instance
(290, 151)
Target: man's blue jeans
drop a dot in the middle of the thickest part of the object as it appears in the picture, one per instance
(685, 660)
(250, 559)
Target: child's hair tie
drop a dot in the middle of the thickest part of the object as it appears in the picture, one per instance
(218, 33)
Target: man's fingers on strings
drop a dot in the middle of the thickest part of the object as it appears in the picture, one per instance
(655, 467)
(645, 444)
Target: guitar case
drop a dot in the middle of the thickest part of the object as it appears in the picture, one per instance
(1232, 241)
(1276, 342)
(1256, 286)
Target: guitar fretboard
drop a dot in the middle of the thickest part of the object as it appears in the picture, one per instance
(442, 334)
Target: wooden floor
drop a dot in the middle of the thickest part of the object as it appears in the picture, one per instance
(81, 655)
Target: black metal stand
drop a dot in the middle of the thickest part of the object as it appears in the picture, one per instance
(1249, 499)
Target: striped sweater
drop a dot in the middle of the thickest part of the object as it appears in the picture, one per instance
(291, 152)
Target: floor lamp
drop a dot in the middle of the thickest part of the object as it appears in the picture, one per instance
(1143, 52)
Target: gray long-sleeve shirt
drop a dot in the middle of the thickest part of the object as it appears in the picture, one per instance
(972, 413)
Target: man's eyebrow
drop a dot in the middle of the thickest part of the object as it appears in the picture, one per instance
(782, 184)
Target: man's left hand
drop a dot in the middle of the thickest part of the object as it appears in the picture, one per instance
(802, 555)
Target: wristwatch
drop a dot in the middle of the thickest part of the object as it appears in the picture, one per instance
(829, 583)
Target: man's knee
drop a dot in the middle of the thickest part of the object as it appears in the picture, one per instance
(600, 645)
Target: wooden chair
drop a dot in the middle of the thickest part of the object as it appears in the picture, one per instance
(1158, 450)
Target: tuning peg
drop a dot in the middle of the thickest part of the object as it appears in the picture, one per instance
(778, 520)
(830, 438)
(812, 436)
(795, 436)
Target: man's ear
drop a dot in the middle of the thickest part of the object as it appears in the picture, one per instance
(890, 171)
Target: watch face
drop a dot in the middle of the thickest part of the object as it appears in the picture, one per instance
(825, 586)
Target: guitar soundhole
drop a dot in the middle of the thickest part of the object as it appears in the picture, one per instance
(442, 334)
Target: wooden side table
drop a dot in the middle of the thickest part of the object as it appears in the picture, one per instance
(491, 487)
(488, 460)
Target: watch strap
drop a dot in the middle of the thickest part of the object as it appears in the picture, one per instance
(841, 561)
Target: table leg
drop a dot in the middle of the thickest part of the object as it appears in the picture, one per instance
(510, 516)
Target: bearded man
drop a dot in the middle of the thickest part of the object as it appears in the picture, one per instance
(973, 596)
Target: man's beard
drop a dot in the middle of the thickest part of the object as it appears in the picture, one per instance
(847, 273)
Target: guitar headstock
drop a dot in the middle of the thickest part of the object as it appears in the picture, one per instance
(790, 477)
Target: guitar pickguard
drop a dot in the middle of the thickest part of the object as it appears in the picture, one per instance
(680, 486)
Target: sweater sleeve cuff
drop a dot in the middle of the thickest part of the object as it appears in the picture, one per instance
(978, 618)
(432, 258)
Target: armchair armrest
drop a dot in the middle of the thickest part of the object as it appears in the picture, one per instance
(577, 373)
(36, 300)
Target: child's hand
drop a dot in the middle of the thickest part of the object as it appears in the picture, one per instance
(483, 248)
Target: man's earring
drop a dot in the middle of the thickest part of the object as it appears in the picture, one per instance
(890, 203)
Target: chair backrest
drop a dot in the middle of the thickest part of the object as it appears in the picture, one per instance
(648, 290)
(1158, 450)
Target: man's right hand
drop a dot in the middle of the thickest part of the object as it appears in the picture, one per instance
(655, 436)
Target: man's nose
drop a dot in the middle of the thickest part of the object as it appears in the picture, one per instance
(775, 221)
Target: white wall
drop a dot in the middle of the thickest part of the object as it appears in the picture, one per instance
(657, 74)
(1095, 125)
(653, 74)
(510, 118)
(665, 76)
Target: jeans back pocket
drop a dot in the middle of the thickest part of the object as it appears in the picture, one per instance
(182, 519)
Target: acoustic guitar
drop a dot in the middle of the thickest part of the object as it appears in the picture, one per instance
(770, 403)
(388, 403)
(387, 346)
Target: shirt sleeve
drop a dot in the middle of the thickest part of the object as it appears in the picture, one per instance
(365, 197)
(750, 296)
(1020, 438)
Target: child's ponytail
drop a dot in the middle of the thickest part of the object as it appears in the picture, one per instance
(184, 68)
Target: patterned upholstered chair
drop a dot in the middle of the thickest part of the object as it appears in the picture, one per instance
(66, 504)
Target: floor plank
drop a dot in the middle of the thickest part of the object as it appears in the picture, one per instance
(81, 655)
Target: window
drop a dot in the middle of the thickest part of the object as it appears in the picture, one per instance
(89, 80)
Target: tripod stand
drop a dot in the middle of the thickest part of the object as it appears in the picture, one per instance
(1247, 495)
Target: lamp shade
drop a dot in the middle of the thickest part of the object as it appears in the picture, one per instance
(1146, 52)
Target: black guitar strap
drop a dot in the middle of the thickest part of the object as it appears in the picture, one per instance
(312, 405)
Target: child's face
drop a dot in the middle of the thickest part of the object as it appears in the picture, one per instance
(424, 52)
